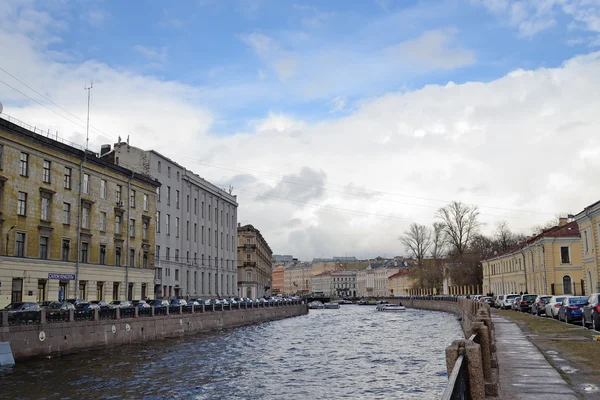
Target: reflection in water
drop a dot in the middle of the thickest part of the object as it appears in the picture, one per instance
(350, 353)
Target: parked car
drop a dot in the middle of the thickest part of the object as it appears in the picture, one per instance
(101, 303)
(140, 304)
(58, 306)
(571, 308)
(120, 304)
(45, 304)
(22, 307)
(87, 307)
(515, 305)
(159, 303)
(506, 301)
(539, 305)
(591, 312)
(178, 302)
(553, 306)
(526, 301)
(194, 303)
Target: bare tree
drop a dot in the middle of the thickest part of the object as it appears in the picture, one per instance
(438, 241)
(460, 224)
(417, 240)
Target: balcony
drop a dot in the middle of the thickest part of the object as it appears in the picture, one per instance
(249, 246)
(249, 263)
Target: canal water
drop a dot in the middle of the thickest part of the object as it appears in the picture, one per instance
(354, 352)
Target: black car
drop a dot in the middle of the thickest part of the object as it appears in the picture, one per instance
(159, 303)
(22, 307)
(539, 305)
(526, 301)
(75, 302)
(591, 312)
(87, 307)
(103, 305)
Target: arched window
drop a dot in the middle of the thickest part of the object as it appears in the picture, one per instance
(567, 285)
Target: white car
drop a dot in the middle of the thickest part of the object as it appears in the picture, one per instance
(507, 300)
(553, 305)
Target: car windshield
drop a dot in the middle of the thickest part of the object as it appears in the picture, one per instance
(512, 296)
(13, 306)
(55, 306)
(529, 297)
(560, 299)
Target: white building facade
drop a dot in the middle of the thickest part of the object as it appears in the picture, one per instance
(343, 283)
(196, 231)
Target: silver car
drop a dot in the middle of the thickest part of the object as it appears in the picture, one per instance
(553, 306)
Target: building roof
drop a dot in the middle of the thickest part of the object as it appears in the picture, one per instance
(323, 274)
(251, 228)
(404, 272)
(570, 229)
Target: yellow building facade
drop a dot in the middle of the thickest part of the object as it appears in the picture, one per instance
(401, 283)
(65, 240)
(549, 263)
(589, 225)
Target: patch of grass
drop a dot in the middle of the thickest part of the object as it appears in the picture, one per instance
(587, 352)
(536, 324)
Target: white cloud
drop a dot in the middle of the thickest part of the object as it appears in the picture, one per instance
(156, 55)
(262, 44)
(96, 18)
(434, 49)
(526, 141)
(338, 104)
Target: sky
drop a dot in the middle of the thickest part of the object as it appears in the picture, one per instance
(337, 123)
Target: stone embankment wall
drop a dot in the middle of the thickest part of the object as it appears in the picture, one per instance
(63, 337)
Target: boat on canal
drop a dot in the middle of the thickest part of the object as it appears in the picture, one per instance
(315, 305)
(390, 307)
(331, 305)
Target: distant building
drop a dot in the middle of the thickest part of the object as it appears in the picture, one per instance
(278, 285)
(297, 278)
(321, 284)
(373, 280)
(343, 283)
(282, 259)
(254, 263)
(401, 283)
(588, 221)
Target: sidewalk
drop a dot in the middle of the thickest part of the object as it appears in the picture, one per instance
(524, 373)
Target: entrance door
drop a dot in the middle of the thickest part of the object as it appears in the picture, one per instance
(130, 292)
(99, 291)
(41, 294)
(62, 290)
(249, 293)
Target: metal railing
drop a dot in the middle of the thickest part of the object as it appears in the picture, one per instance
(49, 316)
(43, 132)
(458, 382)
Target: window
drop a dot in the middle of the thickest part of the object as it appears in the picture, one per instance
(221, 240)
(188, 203)
(131, 257)
(67, 178)
(84, 252)
(227, 220)
(158, 194)
(565, 255)
(195, 281)
(157, 252)
(169, 172)
(187, 256)
(216, 238)
(158, 222)
(195, 232)
(116, 290)
(158, 167)
(132, 199)
(176, 254)
(22, 204)
(45, 211)
(118, 194)
(145, 205)
(24, 164)
(221, 217)
(177, 176)
(202, 234)
(118, 256)
(118, 230)
(102, 189)
(168, 195)
(1, 154)
(168, 222)
(102, 222)
(85, 217)
(177, 199)
(248, 276)
(187, 229)
(585, 242)
(176, 274)
(132, 227)
(248, 257)
(66, 245)
(202, 209)
(567, 284)
(102, 254)
(168, 255)
(195, 258)
(195, 206)
(144, 263)
(17, 290)
(66, 213)
(144, 230)
(44, 247)
(46, 172)
(209, 213)
(86, 184)
(209, 236)
(176, 226)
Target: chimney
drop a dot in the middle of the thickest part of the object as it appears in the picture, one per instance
(239, 225)
(562, 221)
(105, 148)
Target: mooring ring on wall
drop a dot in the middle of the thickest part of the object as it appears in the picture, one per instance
(127, 327)
(42, 336)
(113, 329)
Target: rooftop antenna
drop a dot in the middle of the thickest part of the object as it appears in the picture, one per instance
(87, 132)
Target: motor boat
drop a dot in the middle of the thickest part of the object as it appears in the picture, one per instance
(331, 305)
(390, 307)
(315, 305)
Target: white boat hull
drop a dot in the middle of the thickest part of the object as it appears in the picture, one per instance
(390, 308)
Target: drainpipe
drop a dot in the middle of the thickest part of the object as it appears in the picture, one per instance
(79, 210)
(127, 237)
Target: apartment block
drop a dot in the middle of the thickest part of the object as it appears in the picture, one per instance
(254, 263)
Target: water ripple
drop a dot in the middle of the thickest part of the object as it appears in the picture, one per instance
(350, 353)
